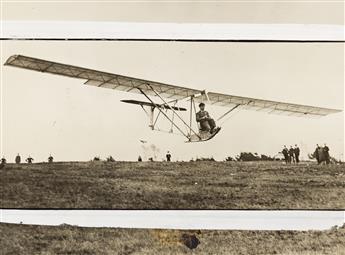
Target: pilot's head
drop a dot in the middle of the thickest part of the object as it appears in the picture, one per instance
(202, 106)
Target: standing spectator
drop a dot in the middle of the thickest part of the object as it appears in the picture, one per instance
(285, 154)
(168, 156)
(321, 155)
(50, 159)
(316, 153)
(296, 151)
(326, 154)
(3, 163)
(17, 159)
(291, 156)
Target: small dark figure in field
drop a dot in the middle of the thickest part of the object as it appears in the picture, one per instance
(3, 163)
(296, 151)
(140, 159)
(96, 159)
(17, 159)
(285, 152)
(168, 156)
(29, 160)
(151, 159)
(50, 159)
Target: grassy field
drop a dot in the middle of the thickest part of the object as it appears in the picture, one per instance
(28, 239)
(174, 185)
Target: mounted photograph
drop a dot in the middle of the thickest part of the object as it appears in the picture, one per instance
(113, 125)
(172, 232)
(194, 113)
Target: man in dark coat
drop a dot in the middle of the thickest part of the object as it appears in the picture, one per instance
(296, 152)
(285, 154)
(50, 159)
(206, 122)
(326, 154)
(168, 156)
(317, 153)
(3, 163)
(17, 159)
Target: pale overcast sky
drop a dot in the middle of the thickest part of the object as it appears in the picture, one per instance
(44, 114)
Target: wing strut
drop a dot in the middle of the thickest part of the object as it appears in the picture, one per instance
(160, 110)
(173, 115)
(156, 119)
(171, 108)
(191, 114)
(233, 108)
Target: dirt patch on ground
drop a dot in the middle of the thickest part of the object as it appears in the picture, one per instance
(174, 185)
(27, 239)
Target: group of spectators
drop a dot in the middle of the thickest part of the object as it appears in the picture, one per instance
(291, 155)
(321, 154)
(18, 160)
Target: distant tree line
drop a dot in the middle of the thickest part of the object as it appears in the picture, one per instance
(203, 159)
(248, 156)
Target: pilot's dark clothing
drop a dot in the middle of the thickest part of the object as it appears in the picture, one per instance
(206, 123)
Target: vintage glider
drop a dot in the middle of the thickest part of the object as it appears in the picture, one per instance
(169, 95)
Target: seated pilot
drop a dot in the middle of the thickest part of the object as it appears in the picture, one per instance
(206, 122)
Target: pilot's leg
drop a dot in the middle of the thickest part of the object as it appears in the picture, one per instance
(205, 126)
(212, 124)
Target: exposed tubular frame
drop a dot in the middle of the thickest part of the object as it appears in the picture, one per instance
(190, 129)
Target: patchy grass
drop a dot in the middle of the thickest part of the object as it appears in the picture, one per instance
(174, 185)
(29, 239)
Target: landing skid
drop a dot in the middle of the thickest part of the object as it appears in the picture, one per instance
(203, 136)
